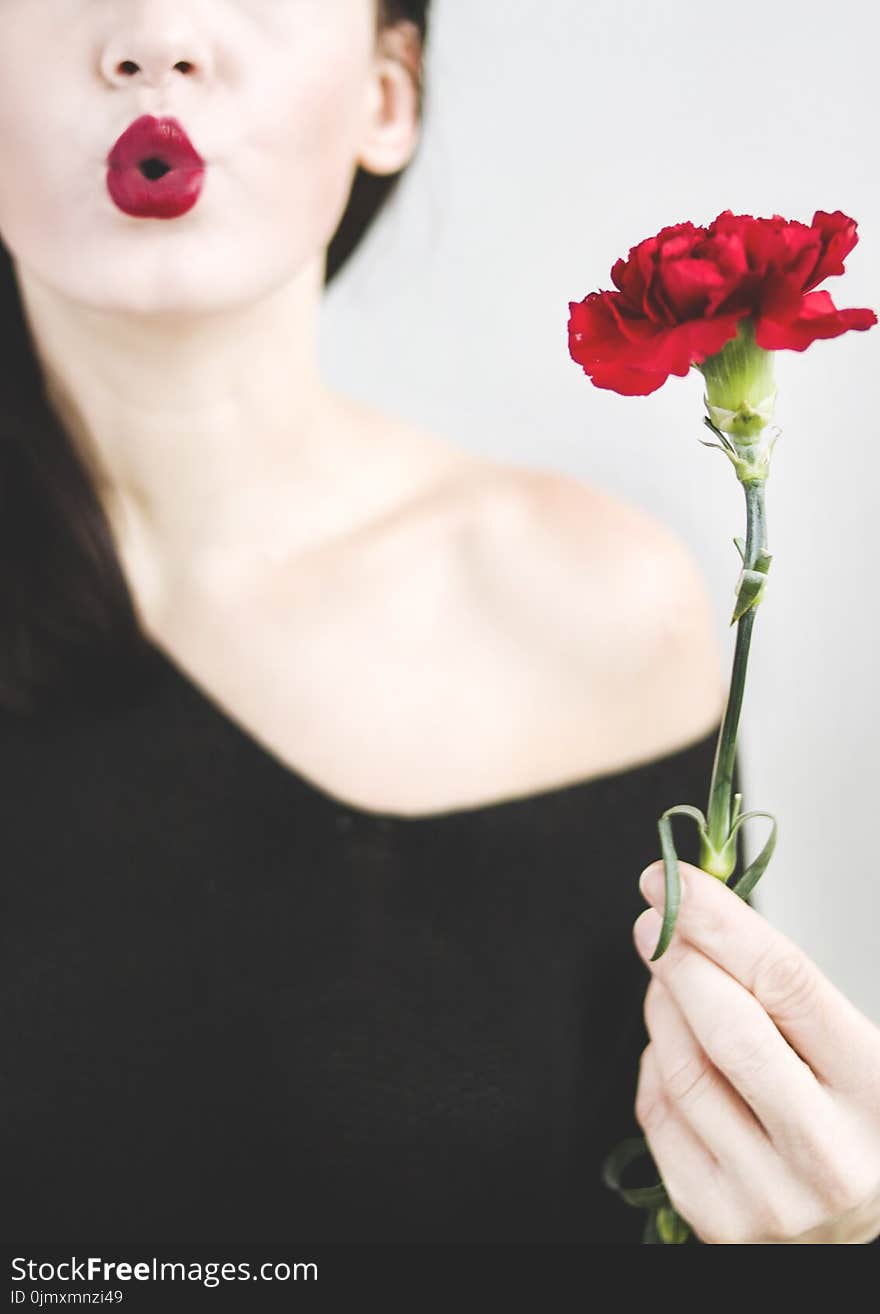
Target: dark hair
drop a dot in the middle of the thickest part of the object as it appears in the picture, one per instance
(69, 633)
(370, 192)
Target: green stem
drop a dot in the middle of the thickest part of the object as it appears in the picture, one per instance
(721, 788)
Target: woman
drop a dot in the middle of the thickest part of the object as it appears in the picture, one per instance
(331, 752)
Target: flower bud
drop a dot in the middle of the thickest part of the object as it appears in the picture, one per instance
(740, 388)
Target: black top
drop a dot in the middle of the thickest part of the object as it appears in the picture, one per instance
(234, 1007)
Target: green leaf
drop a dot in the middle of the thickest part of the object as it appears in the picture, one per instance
(755, 870)
(728, 447)
(671, 1227)
(623, 1154)
(672, 884)
(650, 1235)
(749, 592)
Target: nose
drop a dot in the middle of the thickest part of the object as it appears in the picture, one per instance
(151, 58)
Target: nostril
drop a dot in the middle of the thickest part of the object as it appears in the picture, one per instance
(154, 168)
(129, 66)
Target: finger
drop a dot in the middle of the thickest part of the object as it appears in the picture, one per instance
(838, 1042)
(776, 1200)
(689, 1171)
(701, 1093)
(739, 1037)
(766, 1199)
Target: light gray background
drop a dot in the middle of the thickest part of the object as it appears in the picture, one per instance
(558, 134)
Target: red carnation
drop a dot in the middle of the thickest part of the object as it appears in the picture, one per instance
(682, 294)
(722, 300)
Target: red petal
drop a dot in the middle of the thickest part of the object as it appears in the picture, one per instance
(708, 336)
(634, 328)
(819, 318)
(618, 273)
(618, 377)
(639, 364)
(592, 329)
(839, 236)
(689, 284)
(779, 298)
(603, 352)
(791, 248)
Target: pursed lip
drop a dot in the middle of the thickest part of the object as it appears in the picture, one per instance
(158, 139)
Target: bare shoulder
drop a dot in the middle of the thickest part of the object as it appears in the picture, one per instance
(609, 600)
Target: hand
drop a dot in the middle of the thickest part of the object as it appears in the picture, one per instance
(759, 1092)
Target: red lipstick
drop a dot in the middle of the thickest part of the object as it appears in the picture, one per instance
(154, 171)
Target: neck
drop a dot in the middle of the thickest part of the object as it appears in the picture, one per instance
(210, 438)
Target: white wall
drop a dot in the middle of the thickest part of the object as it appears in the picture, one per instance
(558, 134)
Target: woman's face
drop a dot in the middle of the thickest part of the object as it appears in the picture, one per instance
(280, 98)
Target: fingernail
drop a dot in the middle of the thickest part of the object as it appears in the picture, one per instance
(646, 931)
(652, 883)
